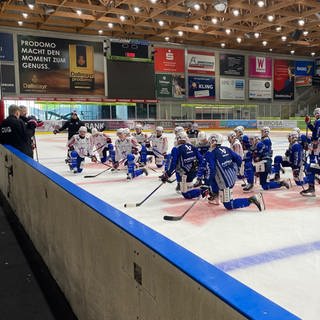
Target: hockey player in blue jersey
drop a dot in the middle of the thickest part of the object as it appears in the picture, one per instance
(315, 127)
(262, 160)
(293, 158)
(202, 143)
(247, 164)
(183, 160)
(222, 168)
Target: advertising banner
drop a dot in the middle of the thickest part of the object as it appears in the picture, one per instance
(53, 65)
(169, 60)
(8, 83)
(200, 62)
(252, 124)
(283, 80)
(260, 67)
(178, 86)
(232, 89)
(316, 73)
(260, 89)
(277, 123)
(6, 46)
(231, 65)
(304, 72)
(201, 87)
(164, 85)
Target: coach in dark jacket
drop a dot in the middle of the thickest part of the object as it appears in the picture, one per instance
(72, 125)
(13, 131)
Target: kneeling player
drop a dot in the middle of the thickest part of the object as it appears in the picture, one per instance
(103, 144)
(158, 146)
(82, 147)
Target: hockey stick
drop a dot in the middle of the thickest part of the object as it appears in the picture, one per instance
(177, 218)
(98, 174)
(36, 147)
(129, 205)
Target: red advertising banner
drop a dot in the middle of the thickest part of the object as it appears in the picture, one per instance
(169, 60)
(283, 87)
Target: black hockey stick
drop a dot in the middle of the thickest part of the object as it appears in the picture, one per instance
(128, 205)
(177, 218)
(98, 174)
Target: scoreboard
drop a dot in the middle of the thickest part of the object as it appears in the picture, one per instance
(130, 50)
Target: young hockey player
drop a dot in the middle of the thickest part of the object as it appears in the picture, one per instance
(158, 146)
(102, 144)
(82, 147)
(127, 148)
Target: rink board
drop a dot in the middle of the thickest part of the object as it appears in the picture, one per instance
(108, 263)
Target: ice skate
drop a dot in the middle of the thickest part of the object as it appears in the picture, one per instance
(310, 192)
(257, 199)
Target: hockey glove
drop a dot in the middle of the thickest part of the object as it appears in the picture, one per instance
(93, 158)
(164, 177)
(55, 131)
(198, 183)
(296, 172)
(307, 119)
(116, 165)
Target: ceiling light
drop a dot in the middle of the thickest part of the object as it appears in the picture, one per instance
(305, 33)
(100, 31)
(214, 20)
(197, 6)
(235, 12)
(256, 35)
(283, 38)
(278, 29)
(196, 27)
(122, 18)
(239, 40)
(313, 54)
(31, 6)
(136, 9)
(79, 12)
(270, 18)
(223, 45)
(292, 51)
(228, 31)
(301, 22)
(110, 25)
(166, 38)
(161, 23)
(25, 15)
(180, 33)
(264, 43)
(220, 5)
(270, 49)
(20, 23)
(153, 1)
(260, 3)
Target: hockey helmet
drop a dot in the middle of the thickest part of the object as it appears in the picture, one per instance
(216, 138)
(94, 131)
(238, 129)
(265, 131)
(316, 112)
(182, 136)
(159, 129)
(202, 136)
(178, 129)
(138, 126)
(83, 129)
(126, 131)
(293, 136)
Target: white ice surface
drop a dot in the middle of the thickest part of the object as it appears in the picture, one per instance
(218, 235)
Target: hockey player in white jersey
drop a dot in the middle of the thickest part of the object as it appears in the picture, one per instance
(158, 146)
(235, 144)
(139, 135)
(127, 149)
(82, 146)
(102, 144)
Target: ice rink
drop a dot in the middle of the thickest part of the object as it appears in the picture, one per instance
(275, 252)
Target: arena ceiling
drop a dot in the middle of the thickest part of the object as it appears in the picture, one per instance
(255, 25)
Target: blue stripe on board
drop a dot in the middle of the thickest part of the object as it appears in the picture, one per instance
(234, 293)
(269, 256)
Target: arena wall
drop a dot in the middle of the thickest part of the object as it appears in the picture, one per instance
(109, 265)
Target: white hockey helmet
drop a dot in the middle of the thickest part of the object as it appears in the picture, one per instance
(316, 112)
(120, 131)
(126, 131)
(294, 135)
(202, 136)
(159, 129)
(182, 136)
(238, 129)
(297, 130)
(265, 131)
(215, 138)
(94, 131)
(83, 129)
(178, 129)
(138, 126)
(232, 134)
